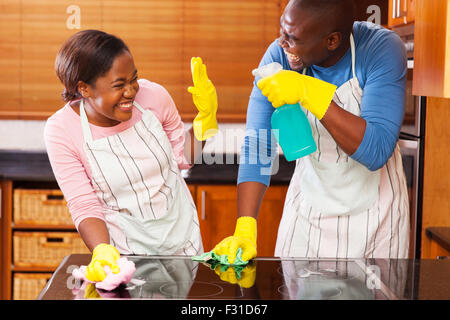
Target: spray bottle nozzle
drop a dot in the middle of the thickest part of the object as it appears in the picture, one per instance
(267, 70)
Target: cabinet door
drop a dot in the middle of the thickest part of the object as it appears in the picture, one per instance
(432, 50)
(217, 209)
(401, 12)
(269, 219)
(6, 187)
(192, 188)
(411, 11)
(1, 240)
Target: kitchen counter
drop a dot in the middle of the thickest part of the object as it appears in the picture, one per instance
(180, 278)
(35, 166)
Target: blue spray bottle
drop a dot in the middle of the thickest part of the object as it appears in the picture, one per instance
(291, 126)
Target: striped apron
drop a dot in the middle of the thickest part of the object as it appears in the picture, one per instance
(147, 205)
(337, 208)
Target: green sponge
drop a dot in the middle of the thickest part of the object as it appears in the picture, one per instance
(213, 260)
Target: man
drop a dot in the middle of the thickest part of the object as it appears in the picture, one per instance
(348, 199)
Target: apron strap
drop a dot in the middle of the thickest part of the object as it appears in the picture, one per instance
(352, 47)
(85, 124)
(138, 106)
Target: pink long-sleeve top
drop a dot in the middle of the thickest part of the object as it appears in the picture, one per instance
(65, 147)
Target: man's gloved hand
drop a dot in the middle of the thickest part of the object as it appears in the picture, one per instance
(244, 237)
(245, 277)
(103, 254)
(290, 87)
(204, 97)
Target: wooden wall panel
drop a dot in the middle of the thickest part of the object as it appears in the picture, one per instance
(231, 36)
(431, 49)
(153, 30)
(436, 184)
(43, 31)
(9, 58)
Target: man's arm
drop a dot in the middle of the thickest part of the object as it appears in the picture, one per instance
(249, 198)
(346, 128)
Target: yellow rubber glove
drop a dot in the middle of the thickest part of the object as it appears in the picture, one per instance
(103, 254)
(290, 87)
(244, 237)
(91, 292)
(247, 275)
(204, 97)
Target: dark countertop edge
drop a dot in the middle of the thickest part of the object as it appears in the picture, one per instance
(441, 235)
(17, 165)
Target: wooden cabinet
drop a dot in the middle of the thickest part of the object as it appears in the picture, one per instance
(436, 181)
(1, 244)
(432, 49)
(231, 36)
(401, 12)
(217, 209)
(6, 239)
(33, 248)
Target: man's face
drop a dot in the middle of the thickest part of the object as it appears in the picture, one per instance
(302, 38)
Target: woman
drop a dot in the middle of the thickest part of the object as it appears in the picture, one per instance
(116, 149)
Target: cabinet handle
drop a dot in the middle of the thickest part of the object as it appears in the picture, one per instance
(1, 203)
(397, 9)
(203, 205)
(394, 4)
(405, 7)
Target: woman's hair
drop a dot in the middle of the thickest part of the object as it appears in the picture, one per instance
(85, 56)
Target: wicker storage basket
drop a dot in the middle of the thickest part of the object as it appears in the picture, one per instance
(27, 286)
(41, 207)
(45, 249)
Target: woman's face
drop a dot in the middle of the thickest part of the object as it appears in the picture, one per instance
(110, 100)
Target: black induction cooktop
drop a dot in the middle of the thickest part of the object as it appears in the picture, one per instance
(180, 278)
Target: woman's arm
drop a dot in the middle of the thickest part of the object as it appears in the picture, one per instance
(93, 231)
(70, 172)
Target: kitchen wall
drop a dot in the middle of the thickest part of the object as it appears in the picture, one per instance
(27, 135)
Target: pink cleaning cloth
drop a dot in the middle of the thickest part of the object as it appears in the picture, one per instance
(112, 281)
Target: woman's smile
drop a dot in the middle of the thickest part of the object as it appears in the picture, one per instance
(125, 106)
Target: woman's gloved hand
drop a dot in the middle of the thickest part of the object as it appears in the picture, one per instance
(103, 254)
(244, 237)
(290, 87)
(90, 292)
(244, 278)
(204, 97)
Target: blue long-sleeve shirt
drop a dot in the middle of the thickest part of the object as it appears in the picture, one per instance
(381, 71)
